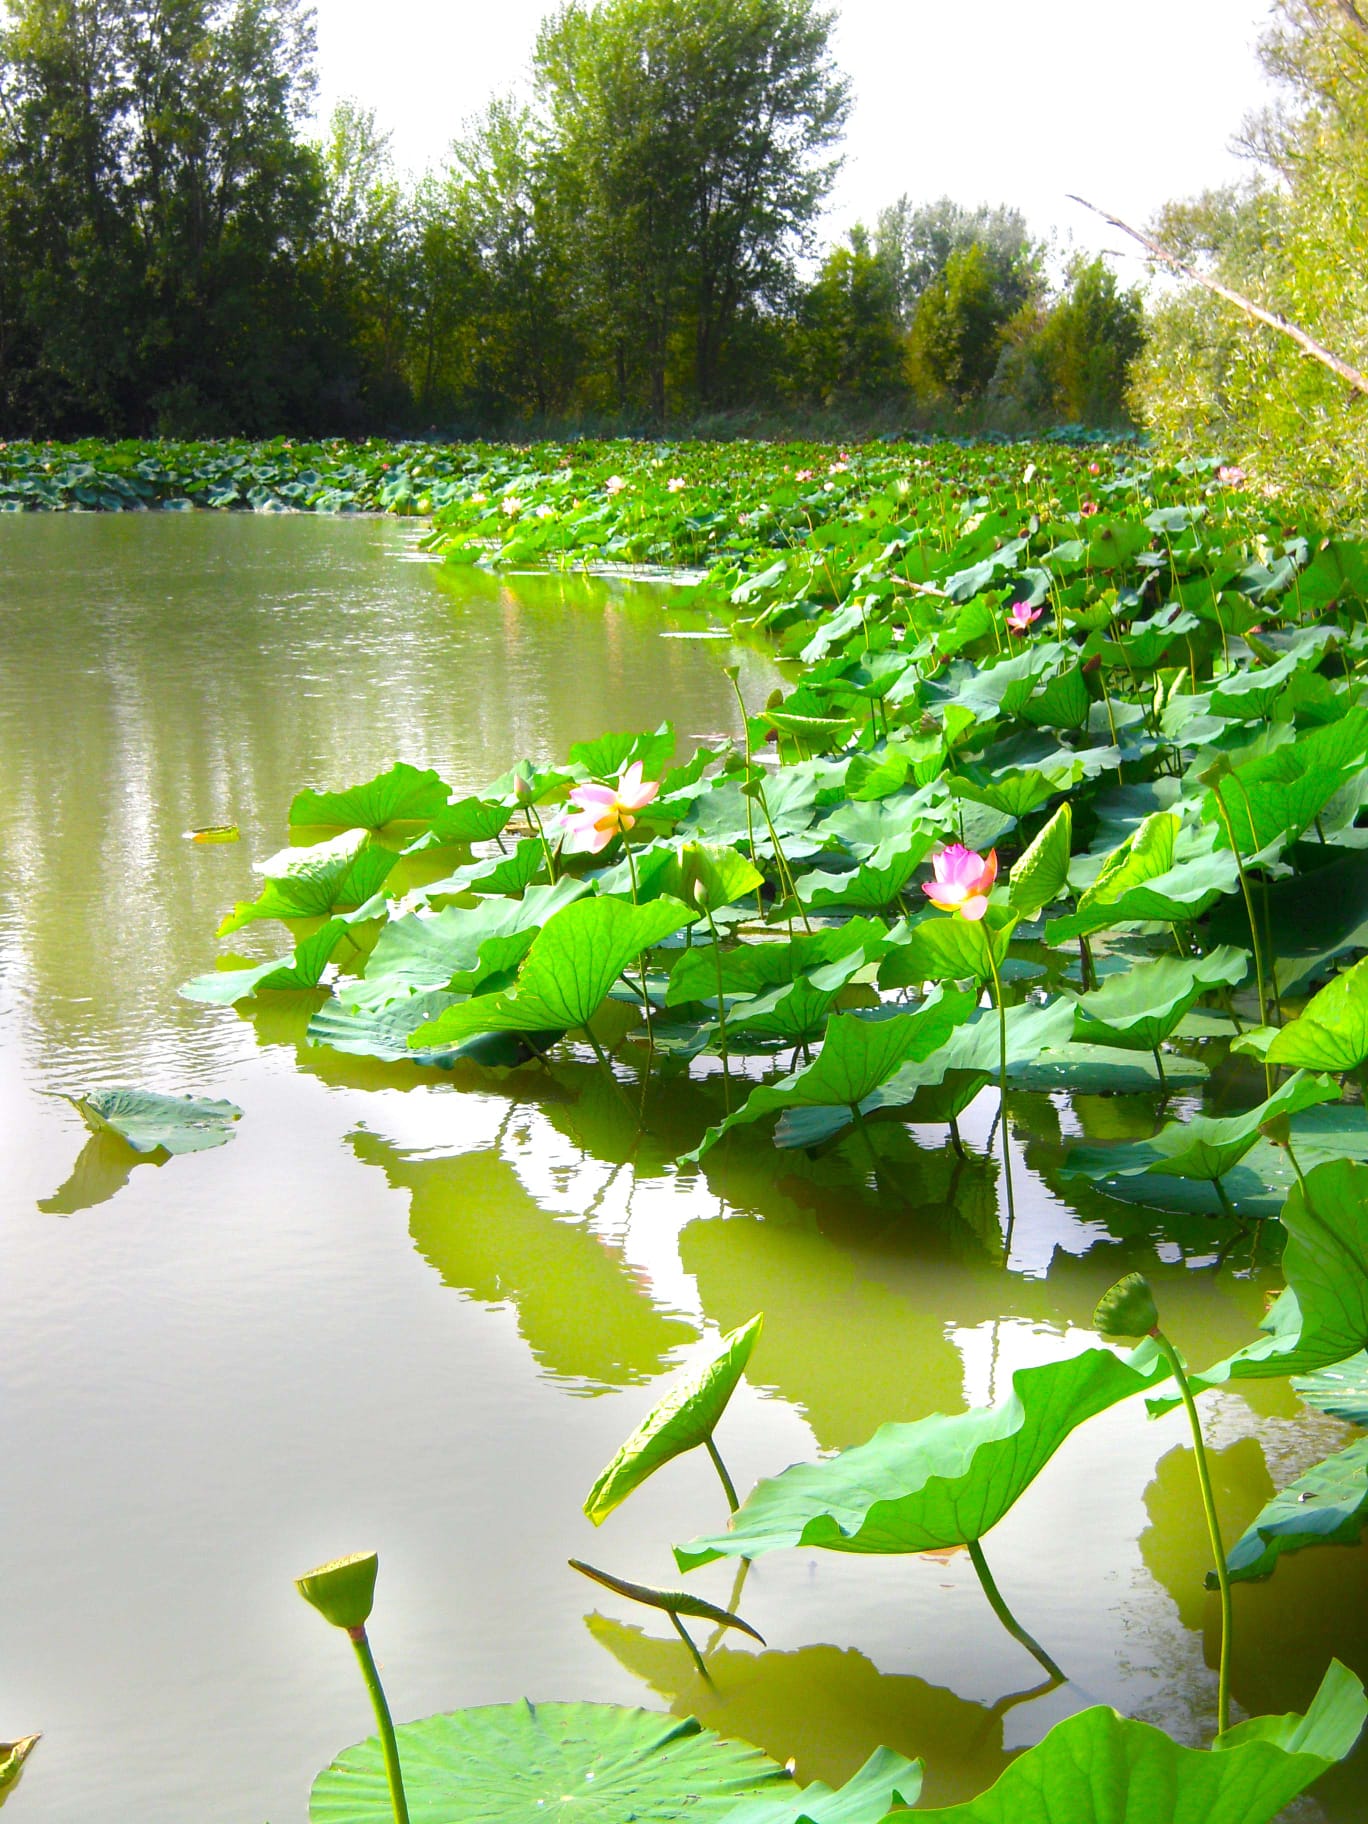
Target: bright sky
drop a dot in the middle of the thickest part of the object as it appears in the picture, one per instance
(1014, 101)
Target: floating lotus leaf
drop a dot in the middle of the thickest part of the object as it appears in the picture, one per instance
(151, 1122)
(937, 1482)
(685, 1419)
(1101, 1768)
(301, 970)
(548, 1764)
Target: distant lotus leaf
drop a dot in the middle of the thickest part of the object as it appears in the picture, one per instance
(465, 820)
(1139, 1008)
(1200, 1146)
(548, 1764)
(152, 1123)
(685, 1419)
(671, 1602)
(885, 1782)
(857, 1055)
(1270, 801)
(451, 949)
(315, 882)
(1101, 1768)
(573, 962)
(1326, 1505)
(1332, 1030)
(1042, 871)
(401, 795)
(937, 1482)
(606, 755)
(877, 882)
(301, 970)
(753, 968)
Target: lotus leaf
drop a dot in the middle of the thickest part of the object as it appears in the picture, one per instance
(151, 1122)
(1332, 1031)
(316, 882)
(401, 795)
(302, 969)
(1139, 1008)
(1101, 1768)
(937, 1482)
(1271, 800)
(1326, 1505)
(683, 1420)
(574, 960)
(877, 882)
(1042, 871)
(950, 950)
(753, 968)
(547, 1764)
(1341, 1391)
(885, 1782)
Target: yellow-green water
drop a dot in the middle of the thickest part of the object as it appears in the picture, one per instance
(419, 1312)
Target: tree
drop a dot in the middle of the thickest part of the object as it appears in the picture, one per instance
(848, 341)
(916, 244)
(1086, 345)
(956, 335)
(688, 140)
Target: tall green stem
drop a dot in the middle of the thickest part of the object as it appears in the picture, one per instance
(384, 1722)
(721, 1468)
(1249, 911)
(641, 960)
(987, 936)
(1170, 1355)
(721, 1010)
(1005, 1615)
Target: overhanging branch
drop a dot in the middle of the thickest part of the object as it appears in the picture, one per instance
(1307, 344)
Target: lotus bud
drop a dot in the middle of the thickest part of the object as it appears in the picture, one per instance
(1128, 1309)
(522, 789)
(700, 895)
(343, 1591)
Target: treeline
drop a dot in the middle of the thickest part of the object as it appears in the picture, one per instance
(632, 245)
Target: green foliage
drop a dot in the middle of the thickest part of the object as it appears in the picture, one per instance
(151, 1122)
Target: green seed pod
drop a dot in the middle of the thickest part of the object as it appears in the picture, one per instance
(1128, 1309)
(343, 1591)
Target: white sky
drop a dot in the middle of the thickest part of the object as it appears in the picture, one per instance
(1013, 101)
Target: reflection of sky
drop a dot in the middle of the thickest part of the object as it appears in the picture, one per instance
(364, 1321)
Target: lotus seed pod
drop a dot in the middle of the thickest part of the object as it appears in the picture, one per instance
(343, 1591)
(1128, 1309)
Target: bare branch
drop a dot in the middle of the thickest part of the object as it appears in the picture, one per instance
(1353, 15)
(1308, 344)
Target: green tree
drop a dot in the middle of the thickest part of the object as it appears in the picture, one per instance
(957, 330)
(848, 342)
(1086, 344)
(916, 242)
(688, 140)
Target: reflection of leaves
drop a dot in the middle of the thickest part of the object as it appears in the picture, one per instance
(833, 1702)
(1101, 1768)
(103, 1167)
(937, 1482)
(520, 1762)
(584, 1316)
(1341, 1391)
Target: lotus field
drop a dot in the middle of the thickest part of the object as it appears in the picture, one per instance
(1059, 808)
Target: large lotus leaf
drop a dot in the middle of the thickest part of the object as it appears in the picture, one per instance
(315, 882)
(1017, 791)
(1200, 1146)
(466, 820)
(1248, 696)
(1341, 1391)
(607, 755)
(950, 950)
(1272, 799)
(1136, 890)
(574, 960)
(1042, 871)
(1322, 1316)
(857, 1055)
(454, 949)
(151, 1122)
(402, 795)
(1332, 1032)
(1326, 1505)
(876, 883)
(886, 1781)
(753, 968)
(547, 1764)
(796, 1010)
(302, 969)
(684, 1419)
(1308, 919)
(383, 1032)
(937, 1482)
(1138, 1008)
(1101, 1768)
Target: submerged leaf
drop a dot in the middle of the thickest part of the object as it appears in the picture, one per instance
(684, 1419)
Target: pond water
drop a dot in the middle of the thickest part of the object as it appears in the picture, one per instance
(418, 1312)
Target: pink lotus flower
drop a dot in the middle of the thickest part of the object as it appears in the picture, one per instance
(601, 811)
(1022, 616)
(1087, 508)
(1231, 476)
(963, 880)
(614, 484)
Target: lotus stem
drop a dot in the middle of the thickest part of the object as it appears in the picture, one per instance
(727, 1486)
(688, 1640)
(384, 1722)
(1249, 912)
(641, 960)
(721, 1009)
(546, 846)
(750, 816)
(1171, 1356)
(1159, 1066)
(1002, 1089)
(1005, 1615)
